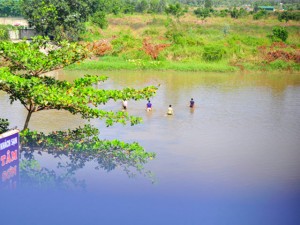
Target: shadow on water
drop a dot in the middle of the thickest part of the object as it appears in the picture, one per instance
(52, 160)
(61, 175)
(33, 175)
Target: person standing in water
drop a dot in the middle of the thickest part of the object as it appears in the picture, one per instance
(170, 110)
(124, 104)
(192, 103)
(148, 106)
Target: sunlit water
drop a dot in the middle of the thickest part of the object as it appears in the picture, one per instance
(234, 159)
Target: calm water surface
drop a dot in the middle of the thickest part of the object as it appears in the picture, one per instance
(234, 159)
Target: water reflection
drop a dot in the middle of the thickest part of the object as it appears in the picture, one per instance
(61, 173)
(34, 176)
(192, 110)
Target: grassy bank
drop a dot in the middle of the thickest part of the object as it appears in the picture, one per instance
(116, 63)
(218, 44)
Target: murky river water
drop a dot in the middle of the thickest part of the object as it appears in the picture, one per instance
(234, 159)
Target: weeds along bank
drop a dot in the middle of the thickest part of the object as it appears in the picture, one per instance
(215, 44)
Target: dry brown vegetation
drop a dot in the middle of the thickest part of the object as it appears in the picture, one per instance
(99, 48)
(281, 51)
(152, 49)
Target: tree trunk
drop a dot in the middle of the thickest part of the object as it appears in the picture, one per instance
(27, 119)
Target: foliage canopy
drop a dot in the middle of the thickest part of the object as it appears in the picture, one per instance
(175, 10)
(61, 19)
(279, 33)
(23, 80)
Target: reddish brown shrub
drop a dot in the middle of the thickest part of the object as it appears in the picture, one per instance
(279, 54)
(278, 45)
(153, 49)
(100, 47)
(262, 49)
(278, 51)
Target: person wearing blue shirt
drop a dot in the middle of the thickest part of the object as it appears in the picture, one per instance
(192, 103)
(149, 106)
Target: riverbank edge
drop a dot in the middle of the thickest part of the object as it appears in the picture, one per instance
(116, 63)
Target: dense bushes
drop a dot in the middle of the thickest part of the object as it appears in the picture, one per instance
(184, 37)
(221, 13)
(279, 34)
(4, 35)
(10, 8)
(124, 41)
(261, 14)
(99, 19)
(235, 13)
(202, 13)
(286, 16)
(213, 53)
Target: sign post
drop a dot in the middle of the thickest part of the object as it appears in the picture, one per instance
(9, 159)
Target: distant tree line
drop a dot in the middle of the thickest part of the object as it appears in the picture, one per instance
(131, 6)
(288, 4)
(64, 19)
(10, 8)
(16, 7)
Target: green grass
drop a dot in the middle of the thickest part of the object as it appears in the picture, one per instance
(277, 65)
(188, 40)
(116, 63)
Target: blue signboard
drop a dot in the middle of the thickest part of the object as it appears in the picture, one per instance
(9, 159)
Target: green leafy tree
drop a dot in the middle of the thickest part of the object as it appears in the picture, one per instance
(61, 19)
(260, 14)
(242, 12)
(221, 13)
(38, 57)
(45, 19)
(104, 6)
(284, 16)
(157, 6)
(10, 8)
(129, 6)
(235, 13)
(202, 13)
(175, 10)
(279, 33)
(142, 6)
(23, 80)
(99, 18)
(116, 7)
